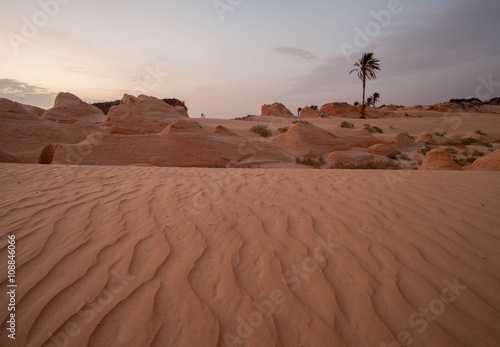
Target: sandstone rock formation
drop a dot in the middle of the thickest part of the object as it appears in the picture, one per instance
(357, 137)
(307, 140)
(142, 114)
(400, 142)
(222, 130)
(276, 110)
(477, 136)
(308, 112)
(24, 135)
(491, 162)
(429, 139)
(341, 110)
(69, 109)
(439, 159)
(182, 111)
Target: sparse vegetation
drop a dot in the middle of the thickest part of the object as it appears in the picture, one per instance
(369, 165)
(439, 134)
(393, 156)
(469, 141)
(217, 166)
(404, 157)
(452, 150)
(300, 121)
(372, 130)
(479, 132)
(464, 161)
(451, 143)
(314, 162)
(477, 153)
(262, 130)
(426, 150)
(347, 125)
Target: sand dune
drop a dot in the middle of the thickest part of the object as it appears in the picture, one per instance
(138, 256)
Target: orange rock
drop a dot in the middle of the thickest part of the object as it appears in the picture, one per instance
(399, 143)
(439, 159)
(222, 130)
(145, 114)
(276, 110)
(307, 140)
(491, 162)
(69, 109)
(341, 110)
(428, 139)
(308, 112)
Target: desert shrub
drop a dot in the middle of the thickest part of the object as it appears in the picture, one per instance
(439, 134)
(480, 133)
(486, 144)
(478, 154)
(426, 150)
(393, 156)
(372, 130)
(468, 141)
(217, 166)
(464, 161)
(262, 130)
(369, 165)
(300, 121)
(316, 163)
(452, 150)
(404, 157)
(451, 143)
(195, 122)
(346, 125)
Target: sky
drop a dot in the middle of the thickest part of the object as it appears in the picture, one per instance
(226, 58)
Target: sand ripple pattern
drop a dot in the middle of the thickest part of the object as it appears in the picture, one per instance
(143, 256)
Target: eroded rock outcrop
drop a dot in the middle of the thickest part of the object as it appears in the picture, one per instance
(276, 110)
(142, 114)
(341, 110)
(69, 109)
(439, 159)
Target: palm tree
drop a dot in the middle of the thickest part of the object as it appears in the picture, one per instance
(356, 104)
(366, 68)
(376, 98)
(369, 101)
(298, 110)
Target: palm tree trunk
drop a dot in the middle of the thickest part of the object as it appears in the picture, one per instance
(363, 106)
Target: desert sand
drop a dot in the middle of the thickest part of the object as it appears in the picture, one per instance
(138, 256)
(126, 237)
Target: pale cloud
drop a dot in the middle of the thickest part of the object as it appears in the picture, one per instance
(15, 87)
(296, 53)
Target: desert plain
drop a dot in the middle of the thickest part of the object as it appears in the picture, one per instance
(143, 226)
